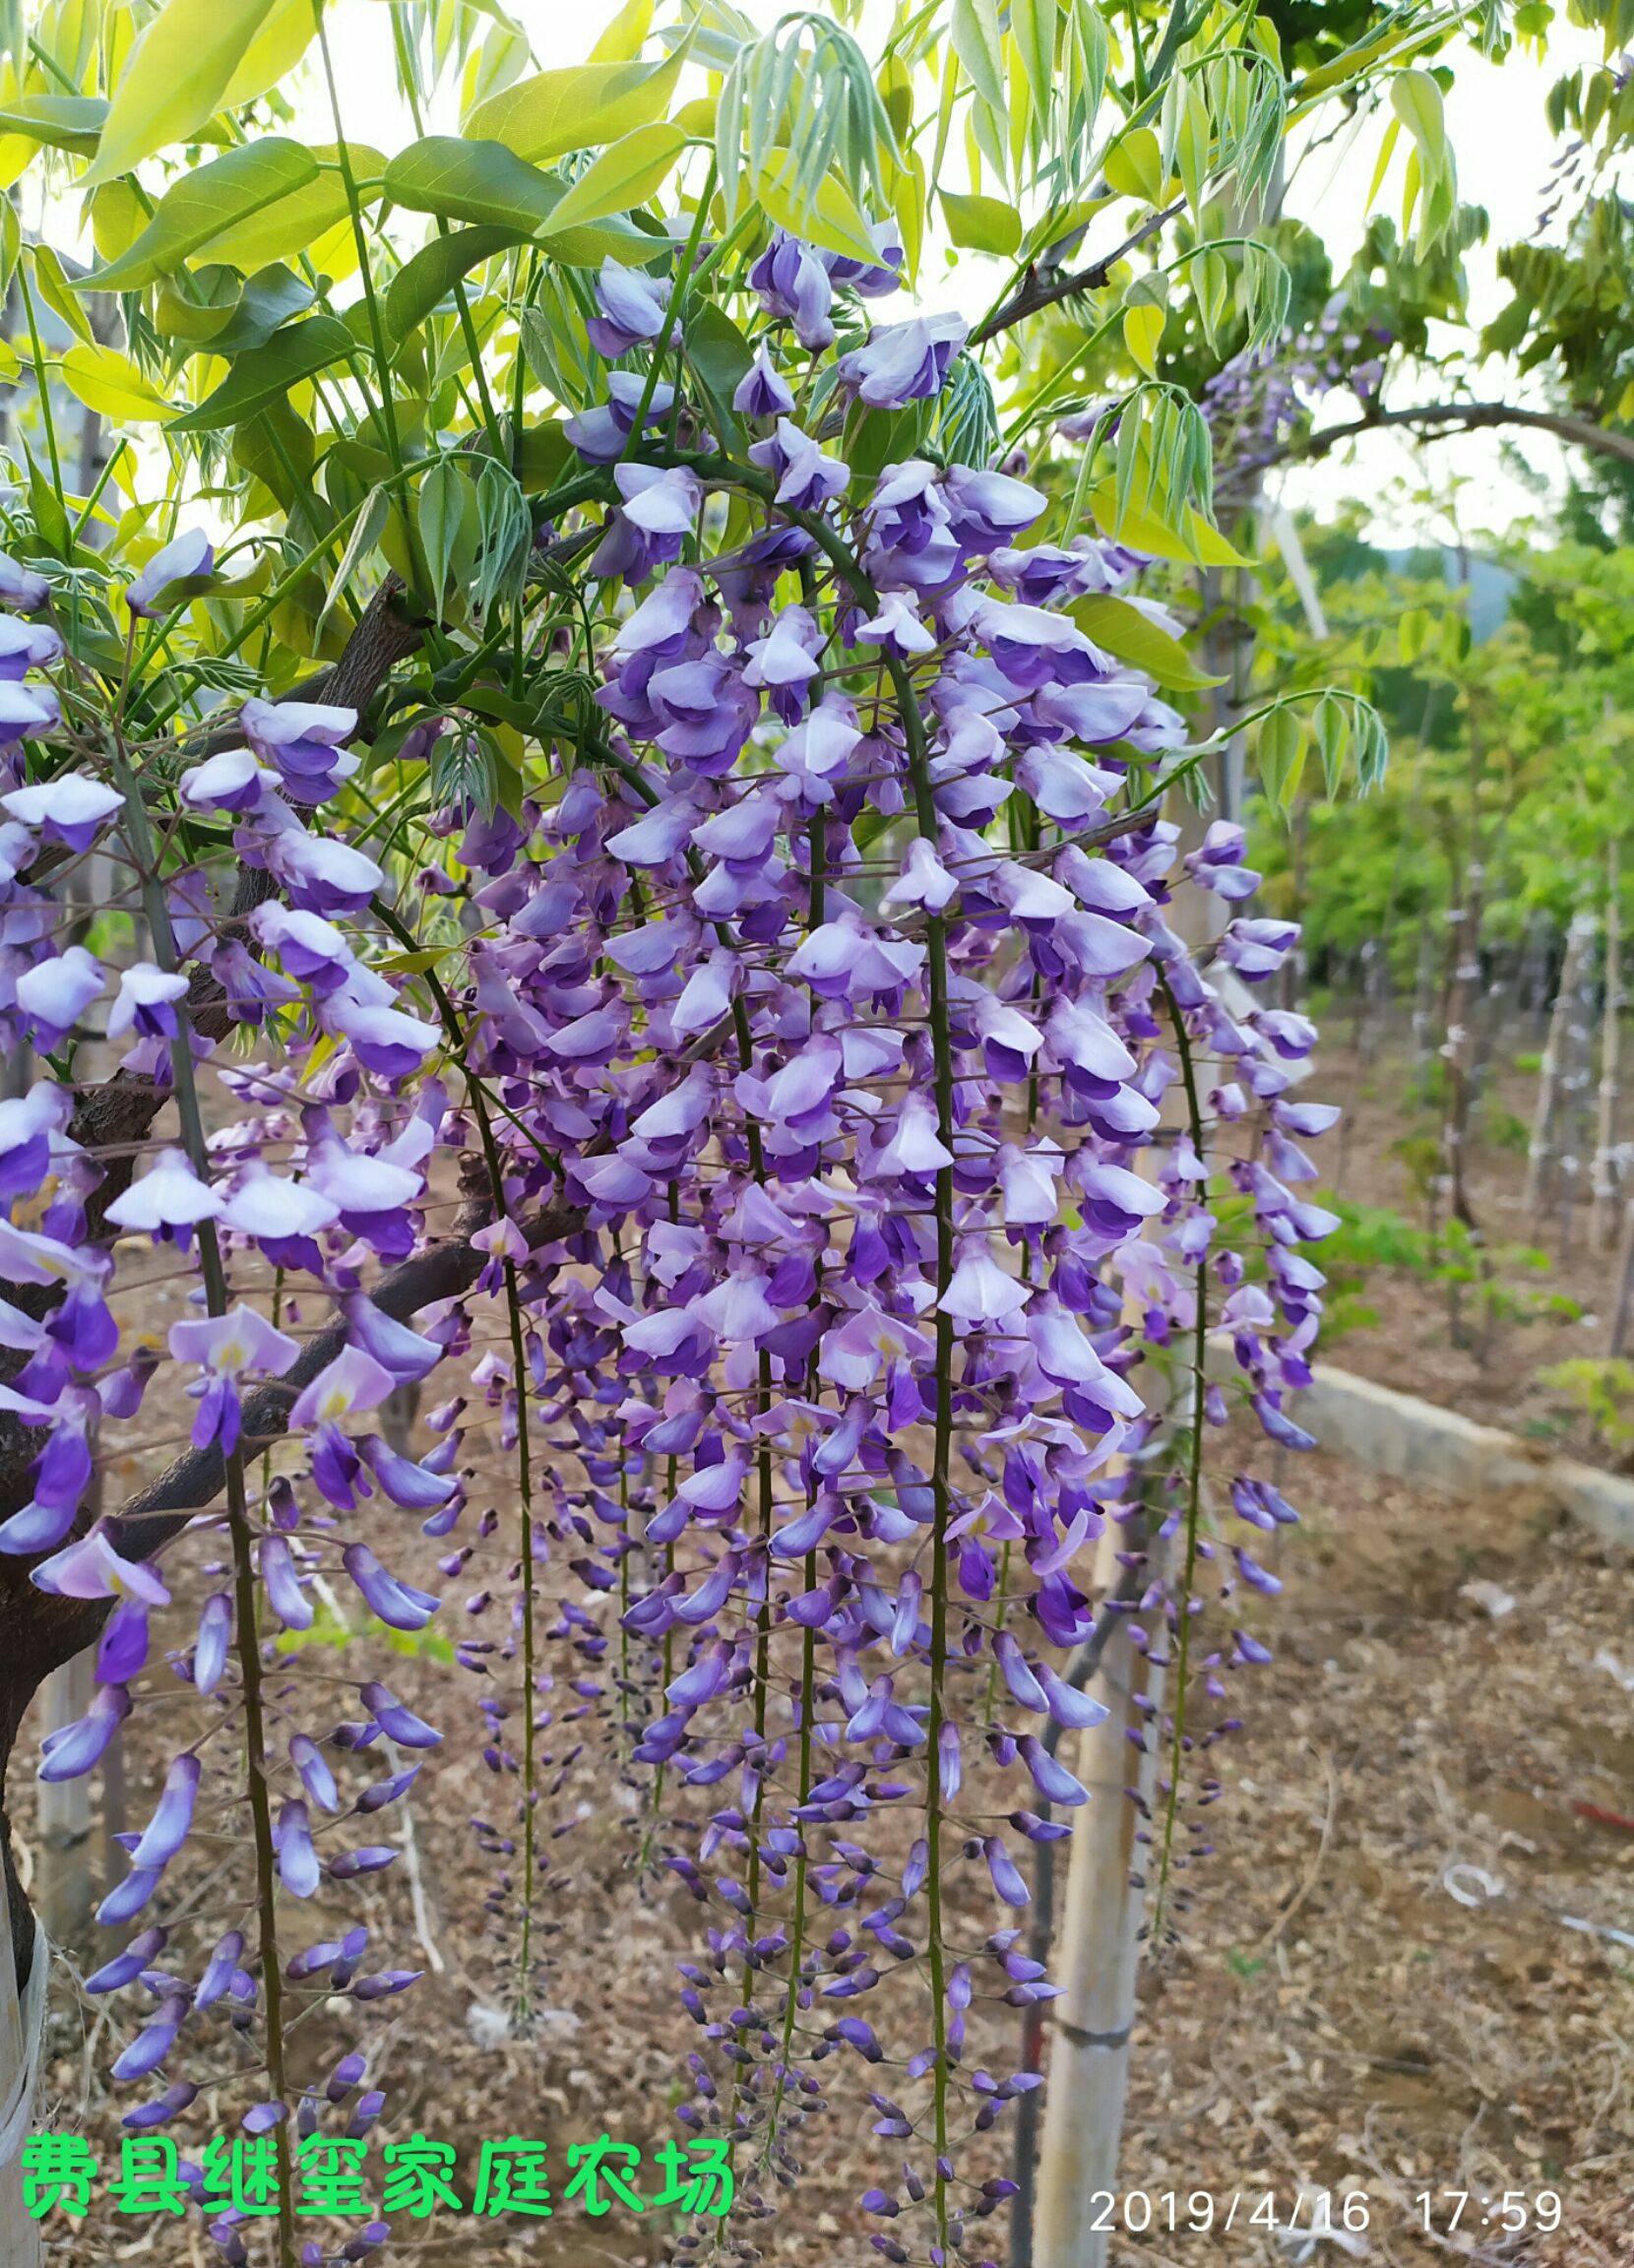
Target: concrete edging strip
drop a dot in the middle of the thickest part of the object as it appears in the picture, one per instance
(1412, 1440)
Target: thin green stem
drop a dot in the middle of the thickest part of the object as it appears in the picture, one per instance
(1194, 1470)
(411, 86)
(42, 385)
(525, 1490)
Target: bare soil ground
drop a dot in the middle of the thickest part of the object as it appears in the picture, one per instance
(1378, 1988)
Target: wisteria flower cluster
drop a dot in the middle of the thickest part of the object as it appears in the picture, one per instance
(818, 1151)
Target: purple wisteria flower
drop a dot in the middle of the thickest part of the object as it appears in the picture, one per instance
(69, 809)
(182, 559)
(230, 1347)
(168, 1201)
(635, 308)
(301, 741)
(764, 1130)
(904, 362)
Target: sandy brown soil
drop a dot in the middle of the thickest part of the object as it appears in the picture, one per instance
(1378, 1989)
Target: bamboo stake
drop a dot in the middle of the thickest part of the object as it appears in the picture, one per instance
(1097, 1959)
(1573, 1107)
(65, 1889)
(1602, 1215)
(1538, 1149)
(1625, 1287)
(20, 2239)
(1099, 1950)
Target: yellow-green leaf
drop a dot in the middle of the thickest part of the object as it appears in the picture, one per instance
(57, 293)
(978, 43)
(413, 964)
(265, 374)
(1142, 331)
(58, 121)
(1280, 746)
(117, 218)
(1387, 150)
(982, 224)
(1416, 98)
(579, 109)
(274, 52)
(109, 383)
(295, 223)
(1123, 630)
(907, 202)
(1192, 541)
(206, 203)
(831, 221)
(695, 119)
(624, 175)
(1135, 166)
(625, 36)
(176, 78)
(486, 183)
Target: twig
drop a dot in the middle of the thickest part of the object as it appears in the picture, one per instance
(1315, 1870)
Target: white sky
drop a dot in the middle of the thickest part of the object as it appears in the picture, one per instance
(1495, 118)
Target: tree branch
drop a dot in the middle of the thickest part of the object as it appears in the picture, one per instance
(154, 1514)
(1459, 416)
(1044, 286)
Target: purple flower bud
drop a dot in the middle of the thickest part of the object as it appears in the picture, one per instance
(347, 2074)
(1052, 1779)
(283, 1585)
(170, 2105)
(395, 1722)
(297, 1860)
(166, 1831)
(209, 1651)
(220, 1969)
(1017, 1674)
(316, 1777)
(950, 1763)
(395, 1603)
(122, 1651)
(126, 1966)
(386, 1983)
(386, 1791)
(371, 1858)
(1006, 1880)
(154, 2042)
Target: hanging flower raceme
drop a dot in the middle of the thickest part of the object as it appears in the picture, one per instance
(753, 1156)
